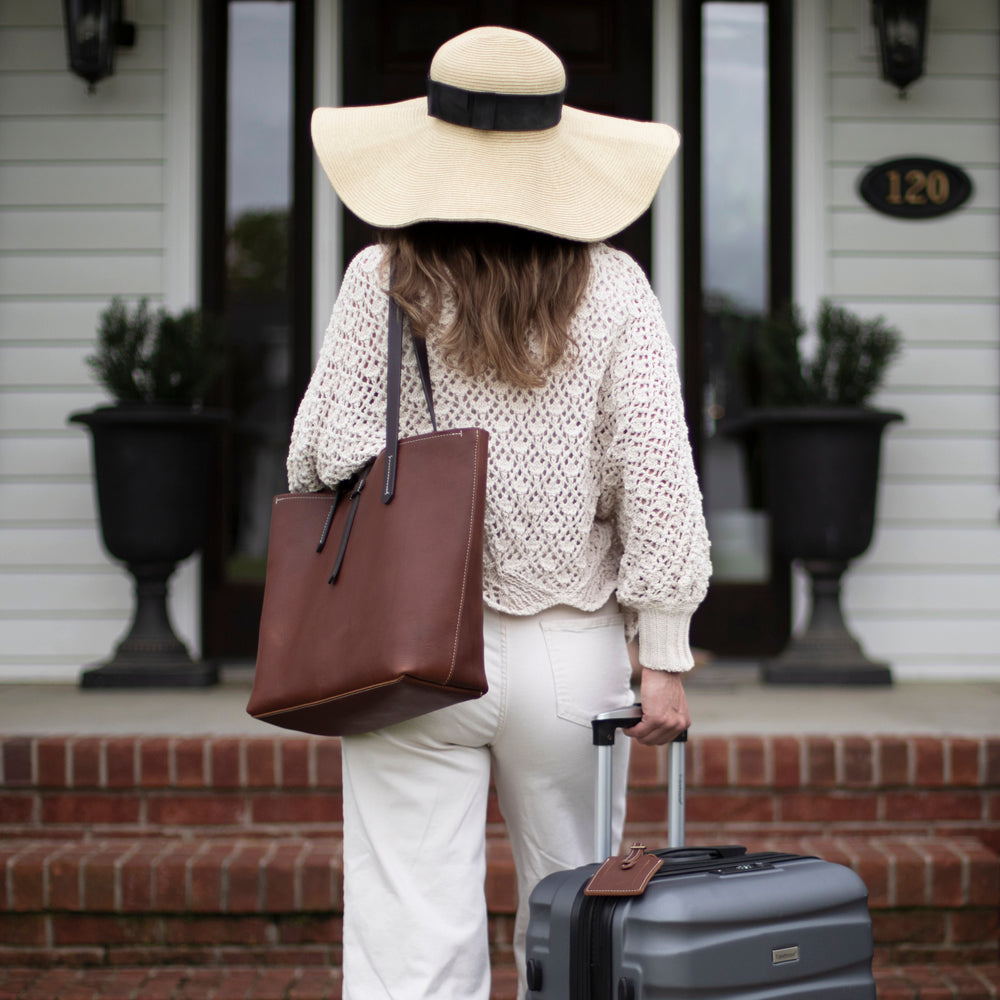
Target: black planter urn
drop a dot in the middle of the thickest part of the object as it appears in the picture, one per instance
(152, 469)
(821, 469)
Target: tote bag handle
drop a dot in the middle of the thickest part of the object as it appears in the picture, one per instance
(393, 378)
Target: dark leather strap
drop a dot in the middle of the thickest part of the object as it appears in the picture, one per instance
(393, 377)
(394, 372)
(493, 112)
(420, 346)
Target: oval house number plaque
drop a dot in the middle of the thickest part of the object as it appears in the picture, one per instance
(915, 187)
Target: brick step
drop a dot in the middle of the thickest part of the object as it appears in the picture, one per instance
(917, 982)
(278, 901)
(285, 761)
(938, 982)
(276, 786)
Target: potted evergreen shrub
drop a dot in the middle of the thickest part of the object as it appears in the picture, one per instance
(152, 454)
(819, 442)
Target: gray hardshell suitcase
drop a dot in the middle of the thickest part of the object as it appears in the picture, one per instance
(713, 923)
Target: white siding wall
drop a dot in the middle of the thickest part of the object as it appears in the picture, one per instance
(927, 595)
(83, 216)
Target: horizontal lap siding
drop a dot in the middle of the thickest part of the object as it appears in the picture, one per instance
(33, 230)
(927, 593)
(82, 218)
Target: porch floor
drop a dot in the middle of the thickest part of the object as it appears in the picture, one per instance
(723, 699)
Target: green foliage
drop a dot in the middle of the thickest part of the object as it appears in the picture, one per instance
(848, 367)
(156, 358)
(257, 254)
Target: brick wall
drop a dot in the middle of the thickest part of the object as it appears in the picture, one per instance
(220, 852)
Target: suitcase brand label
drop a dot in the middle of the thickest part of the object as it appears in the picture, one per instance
(779, 956)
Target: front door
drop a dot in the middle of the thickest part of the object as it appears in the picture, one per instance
(257, 238)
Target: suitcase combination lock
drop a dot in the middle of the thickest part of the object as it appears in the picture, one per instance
(746, 866)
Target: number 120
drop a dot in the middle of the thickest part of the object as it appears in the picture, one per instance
(920, 187)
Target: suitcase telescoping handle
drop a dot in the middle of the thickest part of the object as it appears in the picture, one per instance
(605, 727)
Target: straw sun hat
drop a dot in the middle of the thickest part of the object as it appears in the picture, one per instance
(492, 142)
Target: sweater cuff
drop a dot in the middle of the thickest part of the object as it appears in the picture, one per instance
(664, 642)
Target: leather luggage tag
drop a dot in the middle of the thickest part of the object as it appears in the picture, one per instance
(624, 875)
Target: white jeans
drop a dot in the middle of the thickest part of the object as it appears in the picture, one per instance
(415, 922)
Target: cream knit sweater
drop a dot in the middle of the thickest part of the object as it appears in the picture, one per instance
(591, 489)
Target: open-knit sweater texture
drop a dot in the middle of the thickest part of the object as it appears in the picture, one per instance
(591, 489)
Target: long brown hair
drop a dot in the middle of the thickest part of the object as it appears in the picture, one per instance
(510, 293)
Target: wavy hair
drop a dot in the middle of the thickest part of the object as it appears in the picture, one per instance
(498, 297)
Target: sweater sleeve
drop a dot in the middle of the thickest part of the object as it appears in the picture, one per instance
(665, 565)
(340, 421)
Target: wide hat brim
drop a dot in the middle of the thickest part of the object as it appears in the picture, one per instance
(586, 178)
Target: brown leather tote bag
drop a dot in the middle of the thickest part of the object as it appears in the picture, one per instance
(373, 598)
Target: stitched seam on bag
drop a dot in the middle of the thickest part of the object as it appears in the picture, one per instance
(389, 466)
(326, 701)
(418, 439)
(468, 556)
(404, 678)
(433, 435)
(312, 495)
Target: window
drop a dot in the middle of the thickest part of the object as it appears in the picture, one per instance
(256, 276)
(737, 233)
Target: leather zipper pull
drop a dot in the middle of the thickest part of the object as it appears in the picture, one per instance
(355, 498)
(338, 493)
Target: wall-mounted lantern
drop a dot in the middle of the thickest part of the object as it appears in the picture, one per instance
(902, 39)
(94, 29)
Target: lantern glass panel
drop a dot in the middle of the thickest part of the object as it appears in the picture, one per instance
(90, 37)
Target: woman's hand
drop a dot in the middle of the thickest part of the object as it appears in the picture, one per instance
(665, 712)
